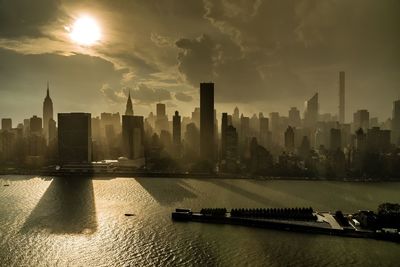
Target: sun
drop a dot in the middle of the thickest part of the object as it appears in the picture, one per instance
(85, 31)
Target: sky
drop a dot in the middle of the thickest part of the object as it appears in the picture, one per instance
(262, 55)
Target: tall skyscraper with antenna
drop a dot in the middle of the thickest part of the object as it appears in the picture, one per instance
(47, 113)
(342, 116)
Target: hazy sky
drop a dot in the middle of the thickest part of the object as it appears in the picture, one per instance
(262, 55)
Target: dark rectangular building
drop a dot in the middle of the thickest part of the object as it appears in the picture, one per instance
(35, 125)
(341, 97)
(176, 129)
(224, 126)
(132, 136)
(176, 134)
(335, 139)
(6, 124)
(207, 146)
(74, 137)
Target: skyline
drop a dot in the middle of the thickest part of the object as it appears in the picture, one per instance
(262, 56)
(315, 145)
(170, 109)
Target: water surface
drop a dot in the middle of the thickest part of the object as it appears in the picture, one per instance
(81, 222)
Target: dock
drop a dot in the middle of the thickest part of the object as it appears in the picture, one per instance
(316, 223)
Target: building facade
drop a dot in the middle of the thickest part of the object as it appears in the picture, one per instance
(74, 137)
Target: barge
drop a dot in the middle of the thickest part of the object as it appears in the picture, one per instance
(297, 220)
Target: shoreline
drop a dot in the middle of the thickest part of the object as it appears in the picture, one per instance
(90, 173)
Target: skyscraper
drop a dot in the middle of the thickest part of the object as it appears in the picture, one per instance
(378, 140)
(176, 132)
(129, 108)
(35, 125)
(224, 126)
(311, 112)
(160, 108)
(110, 119)
(341, 97)
(265, 134)
(335, 139)
(52, 130)
(161, 118)
(275, 127)
(244, 134)
(6, 124)
(289, 139)
(361, 120)
(236, 118)
(207, 146)
(196, 117)
(396, 123)
(74, 137)
(132, 136)
(192, 140)
(294, 117)
(231, 149)
(47, 113)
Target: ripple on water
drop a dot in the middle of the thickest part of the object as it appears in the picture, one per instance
(150, 238)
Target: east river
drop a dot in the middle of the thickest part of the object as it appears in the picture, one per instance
(46, 221)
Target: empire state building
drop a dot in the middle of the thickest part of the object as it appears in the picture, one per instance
(47, 113)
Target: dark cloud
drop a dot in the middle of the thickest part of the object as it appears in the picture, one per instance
(74, 82)
(136, 63)
(112, 95)
(271, 53)
(146, 95)
(24, 18)
(142, 95)
(197, 58)
(183, 97)
(238, 77)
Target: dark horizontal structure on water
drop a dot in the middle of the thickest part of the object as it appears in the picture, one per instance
(138, 173)
(289, 219)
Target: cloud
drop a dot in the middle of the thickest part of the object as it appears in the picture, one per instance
(74, 82)
(159, 40)
(183, 97)
(238, 76)
(25, 18)
(146, 95)
(141, 95)
(197, 58)
(112, 95)
(272, 52)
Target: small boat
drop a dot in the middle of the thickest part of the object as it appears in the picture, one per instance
(6, 185)
(129, 214)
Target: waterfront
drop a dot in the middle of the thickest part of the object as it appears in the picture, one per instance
(76, 222)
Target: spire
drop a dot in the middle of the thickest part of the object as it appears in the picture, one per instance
(48, 93)
(129, 109)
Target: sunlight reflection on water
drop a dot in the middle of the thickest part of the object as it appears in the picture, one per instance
(82, 222)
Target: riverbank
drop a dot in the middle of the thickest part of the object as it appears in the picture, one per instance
(127, 174)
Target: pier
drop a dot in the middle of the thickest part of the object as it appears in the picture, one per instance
(297, 220)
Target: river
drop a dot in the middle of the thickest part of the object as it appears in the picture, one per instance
(47, 221)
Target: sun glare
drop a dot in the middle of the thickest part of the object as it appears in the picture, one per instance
(85, 31)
